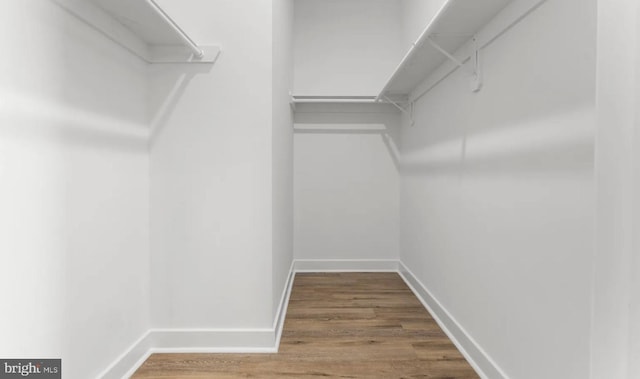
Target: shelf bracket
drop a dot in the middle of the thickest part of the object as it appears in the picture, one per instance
(444, 52)
(476, 81)
(476, 76)
(292, 101)
(408, 113)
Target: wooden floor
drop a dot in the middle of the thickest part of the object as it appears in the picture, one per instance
(343, 325)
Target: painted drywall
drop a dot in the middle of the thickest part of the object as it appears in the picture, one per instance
(282, 146)
(634, 313)
(211, 173)
(616, 304)
(74, 251)
(416, 15)
(345, 47)
(345, 182)
(497, 194)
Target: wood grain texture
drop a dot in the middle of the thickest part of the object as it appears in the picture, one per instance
(339, 325)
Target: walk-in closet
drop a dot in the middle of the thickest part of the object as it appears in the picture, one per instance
(320, 188)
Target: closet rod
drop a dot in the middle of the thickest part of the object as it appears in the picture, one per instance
(185, 38)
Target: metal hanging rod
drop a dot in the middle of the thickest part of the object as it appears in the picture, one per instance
(339, 99)
(332, 99)
(461, 35)
(198, 52)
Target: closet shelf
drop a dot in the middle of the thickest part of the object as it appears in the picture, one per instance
(143, 28)
(456, 23)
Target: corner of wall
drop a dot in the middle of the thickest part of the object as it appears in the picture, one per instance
(470, 349)
(265, 340)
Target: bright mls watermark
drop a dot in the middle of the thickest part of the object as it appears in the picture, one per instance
(31, 368)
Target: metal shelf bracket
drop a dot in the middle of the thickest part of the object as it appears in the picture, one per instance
(408, 113)
(476, 76)
(475, 72)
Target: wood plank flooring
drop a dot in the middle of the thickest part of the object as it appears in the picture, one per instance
(341, 325)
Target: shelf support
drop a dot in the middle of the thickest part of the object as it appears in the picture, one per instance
(444, 52)
(476, 82)
(408, 113)
(476, 76)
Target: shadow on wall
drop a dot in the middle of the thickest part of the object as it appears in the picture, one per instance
(169, 83)
(560, 142)
(353, 119)
(447, 139)
(111, 117)
(103, 102)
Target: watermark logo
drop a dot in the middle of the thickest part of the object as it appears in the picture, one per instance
(31, 368)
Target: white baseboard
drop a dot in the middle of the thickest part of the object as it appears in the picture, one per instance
(278, 322)
(191, 341)
(126, 364)
(265, 340)
(475, 355)
(213, 340)
(346, 265)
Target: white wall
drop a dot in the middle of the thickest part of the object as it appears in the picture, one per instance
(345, 183)
(497, 210)
(616, 306)
(211, 173)
(345, 47)
(282, 148)
(74, 252)
(634, 312)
